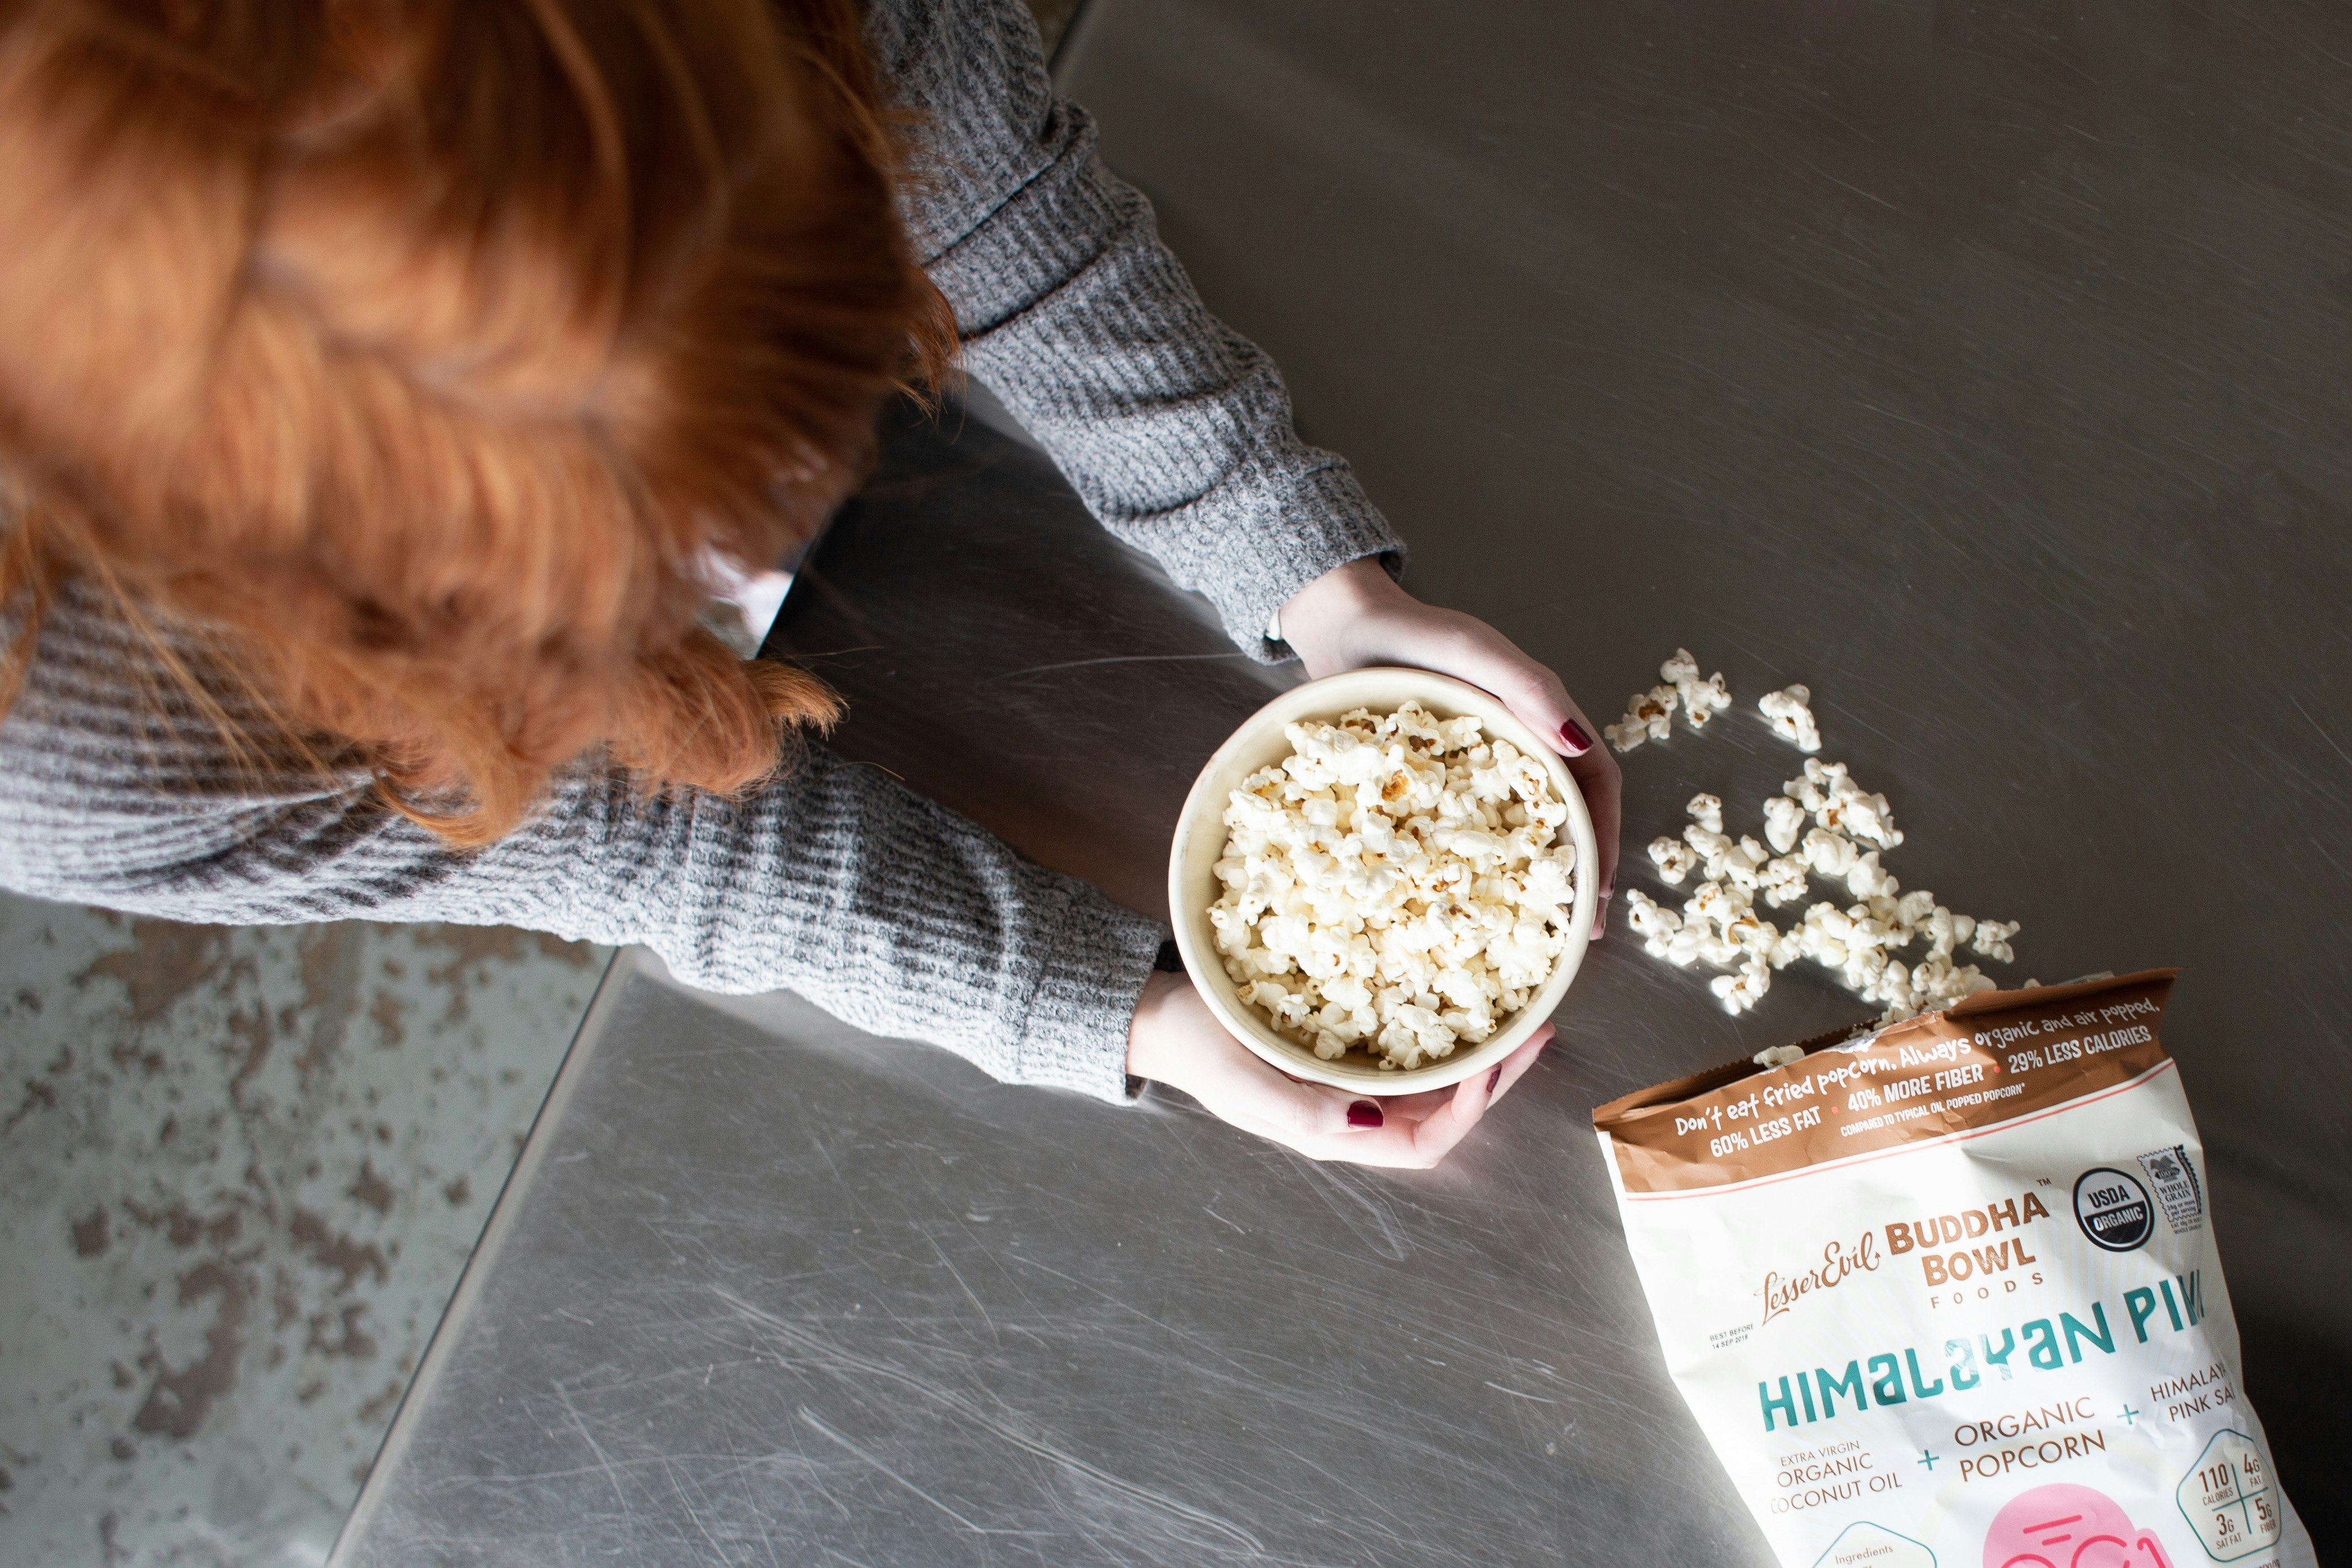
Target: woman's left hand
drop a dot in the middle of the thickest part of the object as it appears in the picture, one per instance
(1355, 615)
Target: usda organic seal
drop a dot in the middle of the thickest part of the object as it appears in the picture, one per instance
(2113, 1208)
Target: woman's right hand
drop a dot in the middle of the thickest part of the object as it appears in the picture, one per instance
(1175, 1039)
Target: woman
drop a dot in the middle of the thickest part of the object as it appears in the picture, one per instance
(379, 380)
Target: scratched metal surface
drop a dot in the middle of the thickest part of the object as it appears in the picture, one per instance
(778, 1292)
(1982, 369)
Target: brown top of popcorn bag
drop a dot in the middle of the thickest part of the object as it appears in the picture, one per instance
(1995, 1058)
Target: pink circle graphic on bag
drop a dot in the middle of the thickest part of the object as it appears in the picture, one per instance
(2069, 1527)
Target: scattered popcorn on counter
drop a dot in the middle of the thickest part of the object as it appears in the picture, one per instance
(1867, 880)
(1780, 1055)
(1782, 882)
(1850, 828)
(1830, 855)
(1992, 940)
(1653, 923)
(1674, 859)
(1701, 700)
(1712, 848)
(1744, 864)
(1828, 791)
(1393, 886)
(1793, 719)
(1648, 716)
(1744, 988)
(1784, 820)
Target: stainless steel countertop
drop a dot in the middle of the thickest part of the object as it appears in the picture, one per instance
(1983, 370)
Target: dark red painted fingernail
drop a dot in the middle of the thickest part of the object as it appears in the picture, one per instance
(1574, 734)
(1494, 1078)
(1365, 1114)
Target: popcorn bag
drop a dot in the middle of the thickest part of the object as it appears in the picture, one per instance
(1946, 1296)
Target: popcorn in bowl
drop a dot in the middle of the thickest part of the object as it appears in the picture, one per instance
(1393, 886)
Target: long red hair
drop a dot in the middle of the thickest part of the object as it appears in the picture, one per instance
(414, 356)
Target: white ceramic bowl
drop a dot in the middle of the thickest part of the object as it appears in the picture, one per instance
(1193, 884)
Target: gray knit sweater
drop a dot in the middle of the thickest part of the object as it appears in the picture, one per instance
(881, 907)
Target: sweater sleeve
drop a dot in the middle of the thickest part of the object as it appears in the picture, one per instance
(1173, 428)
(886, 909)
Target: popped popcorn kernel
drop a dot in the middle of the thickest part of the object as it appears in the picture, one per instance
(1992, 940)
(1701, 699)
(1784, 820)
(1652, 921)
(1782, 882)
(1791, 716)
(1707, 810)
(1674, 860)
(1743, 989)
(1649, 715)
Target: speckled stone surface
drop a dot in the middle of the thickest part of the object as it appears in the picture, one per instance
(240, 1171)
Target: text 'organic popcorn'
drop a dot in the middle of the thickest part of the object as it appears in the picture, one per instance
(1395, 885)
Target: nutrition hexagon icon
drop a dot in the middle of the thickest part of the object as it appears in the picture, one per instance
(2228, 1498)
